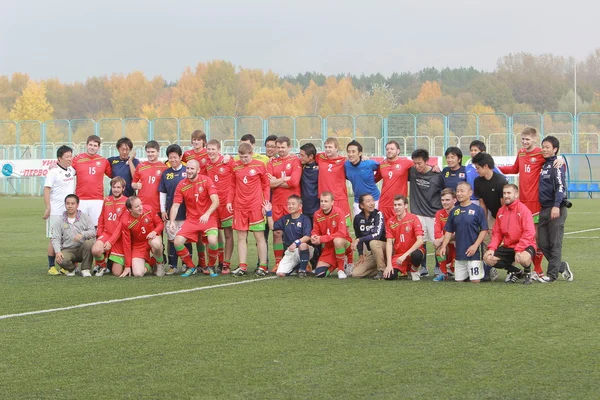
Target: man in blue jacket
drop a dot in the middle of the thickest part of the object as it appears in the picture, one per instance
(553, 213)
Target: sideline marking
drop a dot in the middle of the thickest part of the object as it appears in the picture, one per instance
(584, 237)
(585, 230)
(145, 296)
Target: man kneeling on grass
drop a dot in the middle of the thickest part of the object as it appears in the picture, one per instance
(468, 224)
(515, 230)
(73, 237)
(404, 246)
(296, 229)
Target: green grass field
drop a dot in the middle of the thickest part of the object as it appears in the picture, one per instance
(291, 338)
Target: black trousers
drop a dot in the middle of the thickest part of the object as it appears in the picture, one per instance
(550, 239)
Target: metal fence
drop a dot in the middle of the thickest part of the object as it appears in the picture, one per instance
(434, 132)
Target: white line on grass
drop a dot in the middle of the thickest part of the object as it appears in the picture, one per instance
(145, 296)
(584, 237)
(585, 230)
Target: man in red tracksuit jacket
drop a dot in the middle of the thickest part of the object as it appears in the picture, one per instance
(514, 228)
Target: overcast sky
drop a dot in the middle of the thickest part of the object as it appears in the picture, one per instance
(75, 39)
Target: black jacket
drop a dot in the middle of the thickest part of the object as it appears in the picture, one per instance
(552, 184)
(367, 229)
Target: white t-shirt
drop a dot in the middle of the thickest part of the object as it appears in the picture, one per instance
(61, 183)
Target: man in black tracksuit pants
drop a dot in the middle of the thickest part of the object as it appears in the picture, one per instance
(553, 213)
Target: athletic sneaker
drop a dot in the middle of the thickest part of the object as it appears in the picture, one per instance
(68, 273)
(171, 270)
(86, 273)
(527, 280)
(211, 272)
(437, 271)
(536, 277)
(379, 276)
(261, 272)
(547, 279)
(204, 270)
(440, 278)
(348, 268)
(416, 276)
(342, 275)
(95, 270)
(301, 274)
(53, 271)
(219, 268)
(493, 274)
(513, 277)
(423, 271)
(159, 270)
(293, 273)
(567, 273)
(189, 272)
(239, 272)
(101, 271)
(225, 271)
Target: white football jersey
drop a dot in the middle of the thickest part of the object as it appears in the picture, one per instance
(61, 183)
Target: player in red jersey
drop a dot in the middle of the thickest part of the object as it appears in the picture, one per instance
(198, 150)
(528, 166)
(284, 173)
(140, 233)
(220, 172)
(394, 173)
(330, 229)
(201, 201)
(249, 189)
(90, 169)
(441, 217)
(105, 246)
(404, 247)
(332, 175)
(146, 179)
(198, 153)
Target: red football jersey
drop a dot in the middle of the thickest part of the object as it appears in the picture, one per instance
(395, 179)
(249, 185)
(201, 157)
(529, 166)
(441, 217)
(110, 215)
(135, 230)
(149, 174)
(330, 226)
(280, 168)
(220, 174)
(404, 232)
(90, 171)
(332, 178)
(195, 195)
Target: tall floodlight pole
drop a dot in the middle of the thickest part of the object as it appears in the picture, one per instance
(575, 87)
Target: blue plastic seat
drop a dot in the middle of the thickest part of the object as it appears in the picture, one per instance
(572, 187)
(594, 188)
(582, 187)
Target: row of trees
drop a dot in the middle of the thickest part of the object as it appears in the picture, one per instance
(520, 83)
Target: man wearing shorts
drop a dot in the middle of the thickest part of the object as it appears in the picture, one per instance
(59, 183)
(425, 188)
(201, 201)
(514, 229)
(90, 169)
(404, 247)
(107, 247)
(140, 230)
(446, 261)
(220, 172)
(284, 173)
(329, 229)
(468, 224)
(296, 228)
(168, 183)
(249, 190)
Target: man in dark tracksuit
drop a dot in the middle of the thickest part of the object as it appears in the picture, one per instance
(309, 183)
(553, 213)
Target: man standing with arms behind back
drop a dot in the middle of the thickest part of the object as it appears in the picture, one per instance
(90, 168)
(60, 182)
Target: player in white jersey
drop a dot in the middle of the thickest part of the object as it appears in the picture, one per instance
(60, 182)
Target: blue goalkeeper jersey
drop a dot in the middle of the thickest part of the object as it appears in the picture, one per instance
(362, 178)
